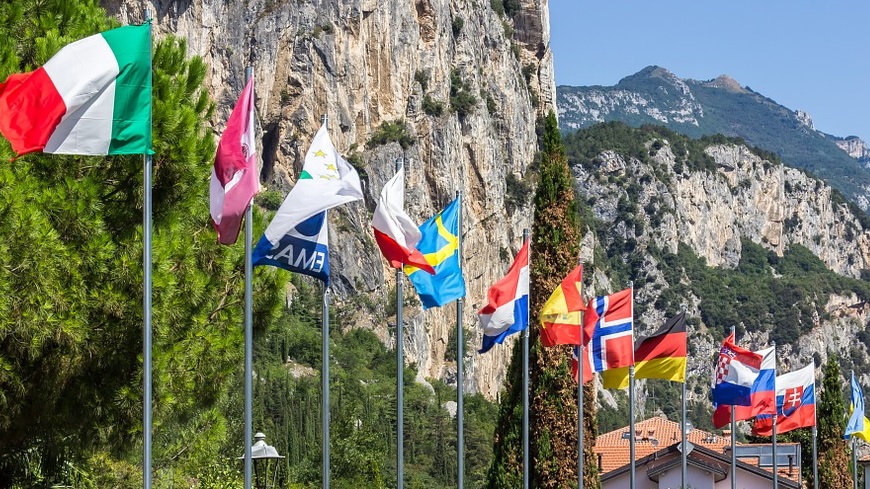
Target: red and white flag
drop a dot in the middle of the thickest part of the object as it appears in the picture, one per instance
(234, 178)
(396, 234)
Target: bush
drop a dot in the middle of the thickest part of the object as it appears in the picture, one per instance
(461, 100)
(432, 107)
(269, 200)
(457, 26)
(389, 132)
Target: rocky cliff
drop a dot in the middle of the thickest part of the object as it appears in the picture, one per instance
(363, 63)
(644, 210)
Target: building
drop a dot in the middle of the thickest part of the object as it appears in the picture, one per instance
(658, 459)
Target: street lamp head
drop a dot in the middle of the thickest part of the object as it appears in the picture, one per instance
(261, 454)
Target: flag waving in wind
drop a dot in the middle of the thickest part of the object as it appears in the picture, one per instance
(856, 424)
(91, 98)
(234, 178)
(736, 371)
(296, 239)
(396, 234)
(662, 355)
(440, 246)
(507, 308)
(762, 394)
(562, 316)
(610, 319)
(795, 403)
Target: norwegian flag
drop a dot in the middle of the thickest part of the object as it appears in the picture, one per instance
(612, 317)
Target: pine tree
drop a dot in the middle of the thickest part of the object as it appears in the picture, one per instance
(833, 450)
(553, 411)
(71, 277)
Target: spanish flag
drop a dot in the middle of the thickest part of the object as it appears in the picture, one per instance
(660, 356)
(562, 315)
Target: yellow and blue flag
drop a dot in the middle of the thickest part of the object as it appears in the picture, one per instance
(440, 246)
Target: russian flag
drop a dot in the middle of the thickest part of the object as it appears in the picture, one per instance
(507, 308)
(761, 394)
(795, 403)
(735, 374)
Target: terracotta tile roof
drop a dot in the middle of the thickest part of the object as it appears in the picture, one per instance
(652, 435)
(656, 433)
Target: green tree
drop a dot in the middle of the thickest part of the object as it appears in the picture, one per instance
(833, 450)
(553, 418)
(71, 282)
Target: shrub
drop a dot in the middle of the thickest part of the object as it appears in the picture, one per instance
(432, 107)
(461, 100)
(269, 199)
(457, 26)
(389, 132)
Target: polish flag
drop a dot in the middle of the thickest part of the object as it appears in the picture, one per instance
(396, 234)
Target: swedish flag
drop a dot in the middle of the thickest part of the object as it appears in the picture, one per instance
(440, 246)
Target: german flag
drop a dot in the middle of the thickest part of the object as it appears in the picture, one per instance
(562, 315)
(660, 356)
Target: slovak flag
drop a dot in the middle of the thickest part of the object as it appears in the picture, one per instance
(762, 394)
(795, 403)
(507, 308)
(611, 320)
(735, 374)
(234, 177)
(396, 234)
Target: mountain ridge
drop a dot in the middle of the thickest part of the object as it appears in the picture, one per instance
(721, 105)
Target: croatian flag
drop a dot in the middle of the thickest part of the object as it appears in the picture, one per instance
(735, 374)
(795, 403)
(761, 394)
(611, 318)
(507, 308)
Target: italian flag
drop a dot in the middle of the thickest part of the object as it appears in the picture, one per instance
(91, 98)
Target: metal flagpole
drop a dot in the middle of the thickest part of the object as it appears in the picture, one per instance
(526, 389)
(685, 441)
(633, 437)
(854, 461)
(775, 415)
(580, 357)
(146, 300)
(249, 335)
(815, 456)
(324, 370)
(460, 361)
(733, 438)
(400, 367)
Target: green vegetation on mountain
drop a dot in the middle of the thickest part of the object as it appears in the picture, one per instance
(722, 107)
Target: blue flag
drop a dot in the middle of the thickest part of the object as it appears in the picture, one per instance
(440, 246)
(304, 249)
(856, 421)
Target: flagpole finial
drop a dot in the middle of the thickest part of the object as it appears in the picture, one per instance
(324, 120)
(400, 162)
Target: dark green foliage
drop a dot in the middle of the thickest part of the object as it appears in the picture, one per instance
(362, 395)
(270, 200)
(831, 417)
(462, 102)
(392, 132)
(422, 77)
(452, 348)
(71, 333)
(456, 25)
(432, 107)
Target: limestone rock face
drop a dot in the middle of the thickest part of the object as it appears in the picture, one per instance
(365, 62)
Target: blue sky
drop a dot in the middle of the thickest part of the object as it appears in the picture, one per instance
(807, 55)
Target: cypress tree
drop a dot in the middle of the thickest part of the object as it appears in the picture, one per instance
(553, 411)
(833, 450)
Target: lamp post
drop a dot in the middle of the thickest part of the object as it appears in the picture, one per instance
(261, 455)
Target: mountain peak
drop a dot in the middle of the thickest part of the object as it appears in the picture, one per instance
(727, 83)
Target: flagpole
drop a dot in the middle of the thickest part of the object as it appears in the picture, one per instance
(146, 297)
(684, 452)
(400, 366)
(460, 360)
(249, 335)
(580, 460)
(526, 387)
(815, 453)
(854, 462)
(324, 368)
(633, 438)
(733, 438)
(775, 416)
